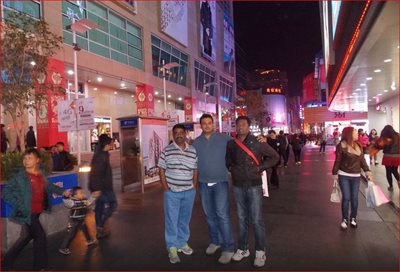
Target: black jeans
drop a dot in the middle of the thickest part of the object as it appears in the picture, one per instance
(389, 171)
(106, 204)
(28, 232)
(322, 148)
(76, 224)
(296, 153)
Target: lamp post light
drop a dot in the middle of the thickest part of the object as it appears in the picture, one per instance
(80, 26)
(165, 68)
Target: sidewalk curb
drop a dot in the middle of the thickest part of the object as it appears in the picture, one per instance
(391, 203)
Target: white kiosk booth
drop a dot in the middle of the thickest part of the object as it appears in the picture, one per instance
(142, 140)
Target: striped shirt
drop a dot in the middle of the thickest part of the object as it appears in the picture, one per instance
(179, 166)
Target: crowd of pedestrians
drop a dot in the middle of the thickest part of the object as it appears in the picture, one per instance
(186, 169)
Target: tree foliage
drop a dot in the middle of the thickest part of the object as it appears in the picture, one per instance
(26, 46)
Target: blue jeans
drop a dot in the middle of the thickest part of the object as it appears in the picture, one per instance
(349, 187)
(178, 208)
(106, 204)
(215, 201)
(249, 207)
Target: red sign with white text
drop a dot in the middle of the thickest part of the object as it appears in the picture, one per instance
(145, 100)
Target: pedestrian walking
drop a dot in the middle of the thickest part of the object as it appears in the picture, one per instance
(389, 142)
(272, 173)
(322, 142)
(246, 158)
(178, 173)
(79, 205)
(347, 169)
(30, 138)
(30, 193)
(3, 139)
(372, 138)
(214, 188)
(363, 140)
(101, 184)
(296, 144)
(283, 147)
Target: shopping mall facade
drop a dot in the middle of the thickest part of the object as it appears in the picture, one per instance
(361, 53)
(120, 62)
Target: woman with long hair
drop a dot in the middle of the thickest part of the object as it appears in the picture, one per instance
(347, 169)
(372, 138)
(389, 142)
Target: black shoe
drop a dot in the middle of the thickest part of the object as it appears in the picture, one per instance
(376, 163)
(390, 188)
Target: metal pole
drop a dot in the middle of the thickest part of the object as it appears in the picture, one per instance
(165, 88)
(76, 93)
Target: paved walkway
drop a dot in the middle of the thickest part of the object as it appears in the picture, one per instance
(302, 231)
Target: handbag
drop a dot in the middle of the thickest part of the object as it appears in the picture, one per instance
(336, 195)
(263, 174)
(374, 195)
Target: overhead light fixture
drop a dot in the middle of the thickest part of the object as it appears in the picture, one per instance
(379, 94)
(132, 96)
(99, 79)
(169, 96)
(369, 100)
(377, 71)
(385, 91)
(369, 78)
(70, 72)
(33, 63)
(180, 98)
(363, 84)
(156, 93)
(95, 88)
(169, 103)
(115, 92)
(387, 60)
(159, 101)
(122, 84)
(69, 84)
(374, 97)
(358, 89)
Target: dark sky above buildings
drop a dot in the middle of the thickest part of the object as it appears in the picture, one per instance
(278, 35)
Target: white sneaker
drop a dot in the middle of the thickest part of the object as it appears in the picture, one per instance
(259, 261)
(353, 223)
(211, 249)
(186, 249)
(225, 257)
(343, 225)
(173, 256)
(240, 254)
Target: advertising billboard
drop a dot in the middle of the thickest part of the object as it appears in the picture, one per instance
(174, 21)
(208, 30)
(229, 46)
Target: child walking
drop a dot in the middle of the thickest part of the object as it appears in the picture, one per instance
(79, 205)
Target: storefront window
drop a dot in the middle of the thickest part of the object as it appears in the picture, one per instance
(115, 38)
(203, 76)
(162, 51)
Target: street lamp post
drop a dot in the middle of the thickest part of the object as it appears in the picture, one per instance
(80, 26)
(165, 68)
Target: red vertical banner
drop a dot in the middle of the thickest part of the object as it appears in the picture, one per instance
(145, 100)
(46, 114)
(188, 105)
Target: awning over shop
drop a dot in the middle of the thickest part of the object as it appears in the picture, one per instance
(322, 114)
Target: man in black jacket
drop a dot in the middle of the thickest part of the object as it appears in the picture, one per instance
(30, 138)
(101, 184)
(248, 186)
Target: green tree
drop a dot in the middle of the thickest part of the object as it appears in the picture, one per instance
(26, 46)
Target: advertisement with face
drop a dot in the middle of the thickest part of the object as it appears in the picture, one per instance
(229, 46)
(208, 29)
(174, 21)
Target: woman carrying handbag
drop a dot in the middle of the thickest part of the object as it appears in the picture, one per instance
(347, 170)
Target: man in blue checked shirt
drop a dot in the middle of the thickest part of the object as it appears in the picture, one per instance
(178, 172)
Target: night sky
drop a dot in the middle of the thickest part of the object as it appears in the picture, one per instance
(278, 35)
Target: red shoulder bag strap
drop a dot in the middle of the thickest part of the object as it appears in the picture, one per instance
(248, 151)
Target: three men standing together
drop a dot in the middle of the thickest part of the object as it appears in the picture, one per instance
(207, 161)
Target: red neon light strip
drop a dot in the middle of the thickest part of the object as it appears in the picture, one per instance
(349, 51)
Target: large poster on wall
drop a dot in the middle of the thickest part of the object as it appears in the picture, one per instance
(229, 46)
(154, 140)
(208, 29)
(174, 21)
